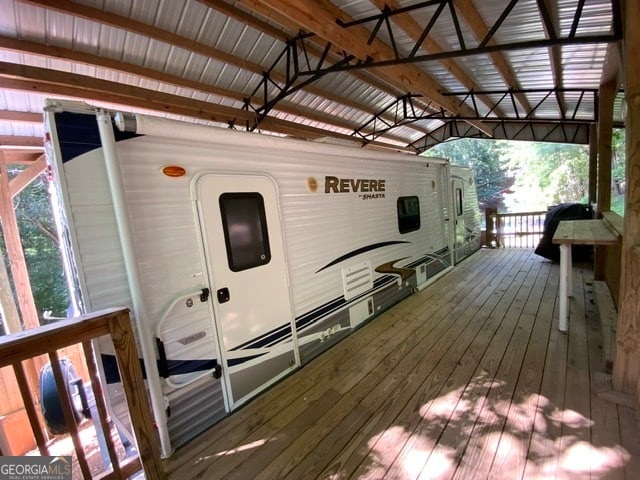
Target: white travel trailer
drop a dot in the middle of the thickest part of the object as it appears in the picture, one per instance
(242, 256)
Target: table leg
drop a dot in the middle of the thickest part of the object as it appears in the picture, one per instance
(565, 252)
(569, 271)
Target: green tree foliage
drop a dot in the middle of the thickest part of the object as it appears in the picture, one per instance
(40, 245)
(528, 176)
(552, 173)
(484, 157)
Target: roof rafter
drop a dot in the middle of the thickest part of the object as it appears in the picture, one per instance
(16, 116)
(289, 31)
(312, 46)
(549, 13)
(323, 18)
(21, 77)
(20, 141)
(124, 23)
(34, 48)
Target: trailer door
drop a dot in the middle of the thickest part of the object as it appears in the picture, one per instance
(459, 247)
(244, 249)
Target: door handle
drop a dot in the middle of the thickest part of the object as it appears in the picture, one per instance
(223, 295)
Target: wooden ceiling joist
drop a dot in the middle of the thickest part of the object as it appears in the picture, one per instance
(20, 156)
(34, 48)
(20, 141)
(316, 49)
(124, 23)
(14, 116)
(21, 77)
(549, 13)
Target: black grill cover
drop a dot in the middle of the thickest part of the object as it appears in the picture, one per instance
(565, 211)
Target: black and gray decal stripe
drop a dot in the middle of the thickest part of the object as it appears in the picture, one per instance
(269, 339)
(359, 251)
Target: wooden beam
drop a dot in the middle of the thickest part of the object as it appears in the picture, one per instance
(320, 18)
(10, 315)
(34, 48)
(28, 175)
(20, 140)
(20, 157)
(593, 162)
(15, 116)
(612, 70)
(472, 18)
(21, 77)
(555, 53)
(124, 23)
(288, 31)
(606, 98)
(15, 253)
(293, 29)
(626, 369)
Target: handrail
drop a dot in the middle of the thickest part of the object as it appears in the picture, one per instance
(21, 346)
(161, 338)
(519, 229)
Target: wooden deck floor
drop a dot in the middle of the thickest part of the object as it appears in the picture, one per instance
(469, 378)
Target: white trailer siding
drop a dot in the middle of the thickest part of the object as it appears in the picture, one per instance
(327, 234)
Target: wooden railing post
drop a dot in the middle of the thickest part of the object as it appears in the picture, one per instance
(135, 393)
(490, 217)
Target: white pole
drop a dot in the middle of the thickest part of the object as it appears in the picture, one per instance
(145, 335)
(563, 324)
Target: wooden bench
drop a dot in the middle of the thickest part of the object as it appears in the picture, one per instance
(608, 321)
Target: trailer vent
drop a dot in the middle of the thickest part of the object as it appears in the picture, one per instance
(357, 279)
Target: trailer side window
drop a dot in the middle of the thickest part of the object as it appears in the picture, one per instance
(459, 205)
(245, 230)
(408, 214)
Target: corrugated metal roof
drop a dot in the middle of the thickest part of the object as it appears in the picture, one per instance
(231, 55)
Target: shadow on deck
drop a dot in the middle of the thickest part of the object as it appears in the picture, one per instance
(469, 378)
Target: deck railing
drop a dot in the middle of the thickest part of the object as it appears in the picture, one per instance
(17, 349)
(514, 230)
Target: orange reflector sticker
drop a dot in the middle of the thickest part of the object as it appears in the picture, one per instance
(174, 171)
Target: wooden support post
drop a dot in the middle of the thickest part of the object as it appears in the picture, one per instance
(18, 266)
(626, 369)
(8, 307)
(15, 252)
(605, 131)
(490, 217)
(593, 163)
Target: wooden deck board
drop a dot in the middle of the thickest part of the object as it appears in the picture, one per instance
(469, 378)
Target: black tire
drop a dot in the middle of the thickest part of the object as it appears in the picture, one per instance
(50, 399)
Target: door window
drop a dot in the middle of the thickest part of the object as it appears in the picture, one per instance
(245, 230)
(459, 205)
